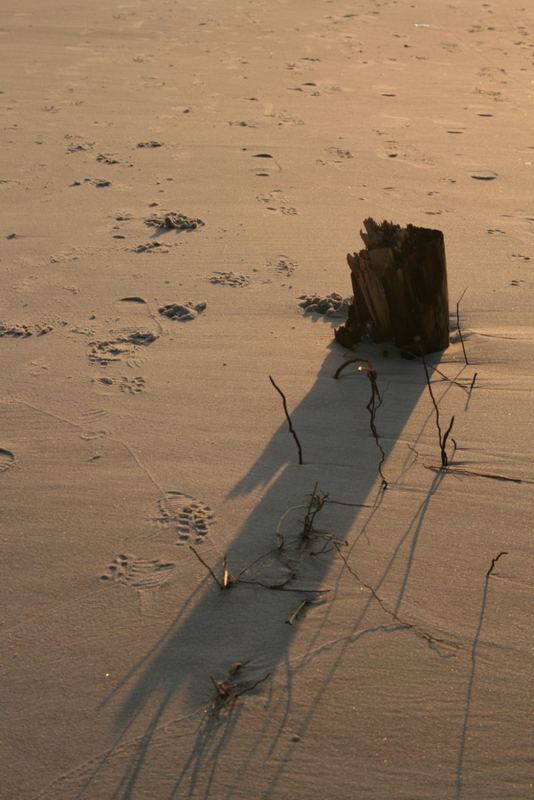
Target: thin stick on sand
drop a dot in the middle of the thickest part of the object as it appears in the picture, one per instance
(227, 692)
(291, 429)
(459, 326)
(442, 438)
(294, 614)
(205, 564)
(375, 401)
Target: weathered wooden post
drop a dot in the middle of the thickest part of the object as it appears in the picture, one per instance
(400, 289)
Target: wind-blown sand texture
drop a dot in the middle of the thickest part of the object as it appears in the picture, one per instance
(128, 437)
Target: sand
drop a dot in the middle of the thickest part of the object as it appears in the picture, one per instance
(138, 419)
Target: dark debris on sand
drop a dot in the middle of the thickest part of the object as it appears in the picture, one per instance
(174, 221)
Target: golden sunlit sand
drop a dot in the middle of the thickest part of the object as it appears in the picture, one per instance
(188, 611)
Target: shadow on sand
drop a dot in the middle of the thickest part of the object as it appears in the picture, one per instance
(472, 676)
(215, 629)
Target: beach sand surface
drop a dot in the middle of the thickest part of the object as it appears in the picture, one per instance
(138, 420)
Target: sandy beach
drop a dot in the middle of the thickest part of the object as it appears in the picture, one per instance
(187, 611)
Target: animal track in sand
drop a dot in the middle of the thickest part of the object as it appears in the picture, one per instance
(450, 47)
(138, 573)
(93, 415)
(268, 161)
(127, 385)
(7, 459)
(173, 220)
(243, 123)
(190, 519)
(497, 97)
(150, 144)
(283, 265)
(77, 145)
(17, 331)
(132, 385)
(120, 348)
(152, 247)
(229, 279)
(276, 202)
(100, 183)
(283, 118)
(338, 156)
(90, 422)
(316, 89)
(107, 158)
(182, 312)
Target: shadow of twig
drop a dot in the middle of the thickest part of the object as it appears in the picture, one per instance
(471, 682)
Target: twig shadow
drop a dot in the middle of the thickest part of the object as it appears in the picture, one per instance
(471, 682)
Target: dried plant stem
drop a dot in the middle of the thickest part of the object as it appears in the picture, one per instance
(458, 324)
(347, 363)
(442, 438)
(305, 540)
(444, 442)
(490, 475)
(294, 614)
(205, 564)
(280, 541)
(229, 580)
(494, 561)
(228, 691)
(375, 401)
(315, 505)
(470, 391)
(291, 429)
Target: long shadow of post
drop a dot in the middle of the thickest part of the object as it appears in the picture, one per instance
(246, 623)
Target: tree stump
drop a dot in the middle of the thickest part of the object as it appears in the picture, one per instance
(400, 289)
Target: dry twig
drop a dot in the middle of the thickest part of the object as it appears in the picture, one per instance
(205, 564)
(229, 691)
(442, 438)
(375, 401)
(229, 580)
(294, 614)
(494, 561)
(490, 475)
(291, 429)
(458, 324)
